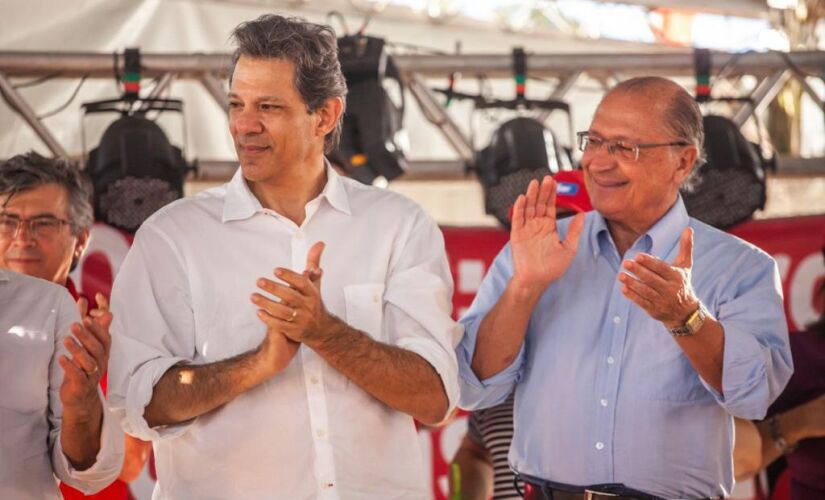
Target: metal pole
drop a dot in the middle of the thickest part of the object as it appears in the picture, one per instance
(565, 84)
(17, 103)
(761, 96)
(438, 116)
(98, 65)
(810, 91)
(214, 86)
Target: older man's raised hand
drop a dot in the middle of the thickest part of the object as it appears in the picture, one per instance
(539, 254)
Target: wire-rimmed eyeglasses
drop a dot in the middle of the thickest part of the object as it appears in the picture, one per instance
(591, 143)
(43, 226)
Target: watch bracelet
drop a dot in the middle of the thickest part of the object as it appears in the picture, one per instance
(776, 436)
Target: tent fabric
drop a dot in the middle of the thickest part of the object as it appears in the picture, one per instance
(182, 26)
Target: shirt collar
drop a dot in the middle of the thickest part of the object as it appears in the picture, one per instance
(664, 234)
(4, 276)
(241, 204)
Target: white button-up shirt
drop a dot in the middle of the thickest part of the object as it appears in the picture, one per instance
(183, 296)
(35, 316)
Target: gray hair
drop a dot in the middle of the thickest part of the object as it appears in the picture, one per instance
(32, 170)
(312, 48)
(682, 116)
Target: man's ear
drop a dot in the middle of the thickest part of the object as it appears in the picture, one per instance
(328, 115)
(687, 162)
(81, 244)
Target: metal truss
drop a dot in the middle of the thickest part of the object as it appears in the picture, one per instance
(771, 69)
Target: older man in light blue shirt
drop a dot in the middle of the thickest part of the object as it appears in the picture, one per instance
(634, 334)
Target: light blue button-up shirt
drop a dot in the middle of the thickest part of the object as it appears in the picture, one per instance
(603, 392)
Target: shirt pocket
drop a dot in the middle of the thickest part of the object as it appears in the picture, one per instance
(26, 355)
(365, 308)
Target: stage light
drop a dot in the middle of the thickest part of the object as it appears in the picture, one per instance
(135, 171)
(521, 150)
(730, 186)
(370, 145)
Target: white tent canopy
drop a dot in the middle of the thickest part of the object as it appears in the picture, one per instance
(191, 26)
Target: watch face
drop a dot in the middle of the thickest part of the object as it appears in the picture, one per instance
(693, 324)
(696, 320)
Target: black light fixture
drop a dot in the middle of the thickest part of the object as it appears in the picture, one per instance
(730, 186)
(135, 170)
(369, 145)
(521, 149)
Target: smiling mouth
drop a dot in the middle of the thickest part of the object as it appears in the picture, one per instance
(604, 183)
(253, 149)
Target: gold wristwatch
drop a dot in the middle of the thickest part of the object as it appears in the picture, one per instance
(692, 325)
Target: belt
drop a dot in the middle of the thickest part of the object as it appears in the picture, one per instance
(539, 489)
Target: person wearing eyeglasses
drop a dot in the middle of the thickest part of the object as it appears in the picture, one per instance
(53, 421)
(632, 335)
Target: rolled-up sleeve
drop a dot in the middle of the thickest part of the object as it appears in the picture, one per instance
(477, 393)
(757, 357)
(418, 302)
(153, 329)
(109, 459)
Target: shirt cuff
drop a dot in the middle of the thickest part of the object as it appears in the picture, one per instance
(477, 393)
(139, 394)
(442, 361)
(108, 462)
(744, 376)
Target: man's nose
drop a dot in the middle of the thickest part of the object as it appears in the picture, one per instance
(600, 159)
(246, 123)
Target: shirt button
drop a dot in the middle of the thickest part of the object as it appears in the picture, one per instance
(599, 445)
(610, 360)
(314, 379)
(327, 485)
(617, 319)
(320, 433)
(603, 402)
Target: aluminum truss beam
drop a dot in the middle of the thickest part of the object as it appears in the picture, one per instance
(97, 65)
(19, 104)
(210, 69)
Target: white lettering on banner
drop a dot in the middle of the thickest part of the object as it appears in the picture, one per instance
(470, 274)
(801, 290)
(783, 262)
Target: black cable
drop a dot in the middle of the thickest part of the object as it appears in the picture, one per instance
(341, 20)
(36, 81)
(67, 103)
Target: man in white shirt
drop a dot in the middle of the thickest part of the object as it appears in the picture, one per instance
(52, 419)
(255, 373)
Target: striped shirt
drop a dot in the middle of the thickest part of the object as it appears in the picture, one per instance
(492, 428)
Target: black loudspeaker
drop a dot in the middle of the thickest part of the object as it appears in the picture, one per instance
(730, 186)
(135, 171)
(521, 150)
